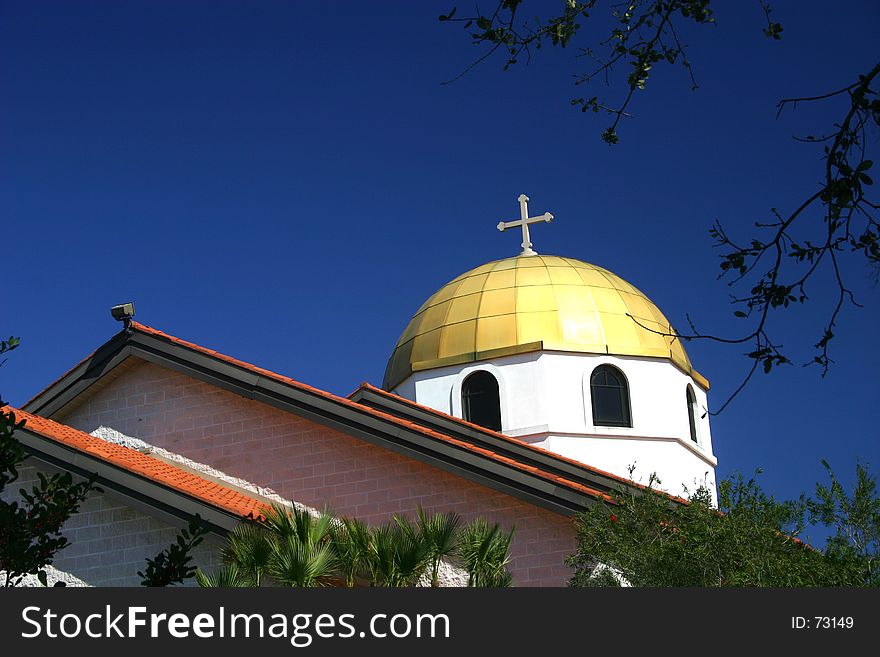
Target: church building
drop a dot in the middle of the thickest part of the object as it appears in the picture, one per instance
(522, 391)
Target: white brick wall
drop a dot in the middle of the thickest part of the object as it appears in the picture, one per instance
(110, 541)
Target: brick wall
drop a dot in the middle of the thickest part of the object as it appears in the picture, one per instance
(110, 541)
(310, 463)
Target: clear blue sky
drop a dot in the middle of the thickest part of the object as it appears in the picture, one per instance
(287, 182)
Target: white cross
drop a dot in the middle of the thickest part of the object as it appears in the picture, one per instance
(524, 221)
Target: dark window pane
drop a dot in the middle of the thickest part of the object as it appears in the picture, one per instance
(610, 397)
(480, 400)
(607, 404)
(692, 413)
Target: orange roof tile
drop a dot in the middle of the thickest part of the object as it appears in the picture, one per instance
(147, 466)
(388, 417)
(494, 434)
(511, 439)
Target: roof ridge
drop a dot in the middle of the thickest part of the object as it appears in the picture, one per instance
(376, 413)
(138, 327)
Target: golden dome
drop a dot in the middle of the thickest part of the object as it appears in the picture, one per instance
(533, 303)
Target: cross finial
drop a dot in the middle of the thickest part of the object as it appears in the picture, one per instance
(524, 221)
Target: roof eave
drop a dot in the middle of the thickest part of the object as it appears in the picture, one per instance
(325, 408)
(138, 491)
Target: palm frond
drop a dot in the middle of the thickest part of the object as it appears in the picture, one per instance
(440, 533)
(226, 577)
(399, 556)
(302, 554)
(295, 563)
(351, 540)
(249, 547)
(484, 553)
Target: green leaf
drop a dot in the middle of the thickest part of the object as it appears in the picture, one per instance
(446, 17)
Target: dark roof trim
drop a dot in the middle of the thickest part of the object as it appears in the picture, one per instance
(520, 451)
(315, 405)
(82, 376)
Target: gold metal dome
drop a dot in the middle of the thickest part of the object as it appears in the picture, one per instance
(533, 303)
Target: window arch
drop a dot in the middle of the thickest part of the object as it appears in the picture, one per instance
(480, 400)
(692, 412)
(609, 394)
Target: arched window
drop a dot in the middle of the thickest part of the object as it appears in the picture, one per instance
(480, 402)
(610, 395)
(692, 412)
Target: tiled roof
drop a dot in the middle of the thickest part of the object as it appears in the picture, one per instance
(516, 441)
(490, 432)
(158, 471)
(561, 481)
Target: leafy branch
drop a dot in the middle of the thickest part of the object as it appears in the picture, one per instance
(643, 35)
(30, 529)
(780, 266)
(173, 564)
(8, 345)
(796, 248)
(749, 539)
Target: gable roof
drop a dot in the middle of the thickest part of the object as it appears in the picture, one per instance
(488, 458)
(116, 466)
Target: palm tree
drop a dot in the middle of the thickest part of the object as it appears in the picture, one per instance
(352, 540)
(440, 534)
(483, 551)
(291, 546)
(302, 554)
(227, 577)
(249, 548)
(302, 564)
(399, 556)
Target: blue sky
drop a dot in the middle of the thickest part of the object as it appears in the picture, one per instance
(287, 182)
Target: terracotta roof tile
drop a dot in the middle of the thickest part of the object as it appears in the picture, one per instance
(511, 439)
(161, 472)
(490, 432)
(137, 326)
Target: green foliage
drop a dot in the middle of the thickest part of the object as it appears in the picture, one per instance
(248, 552)
(641, 35)
(855, 520)
(647, 539)
(226, 577)
(9, 345)
(11, 451)
(352, 542)
(290, 547)
(172, 565)
(625, 46)
(483, 550)
(293, 548)
(301, 553)
(30, 531)
(440, 534)
(302, 564)
(399, 555)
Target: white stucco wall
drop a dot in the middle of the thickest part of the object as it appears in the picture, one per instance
(545, 400)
